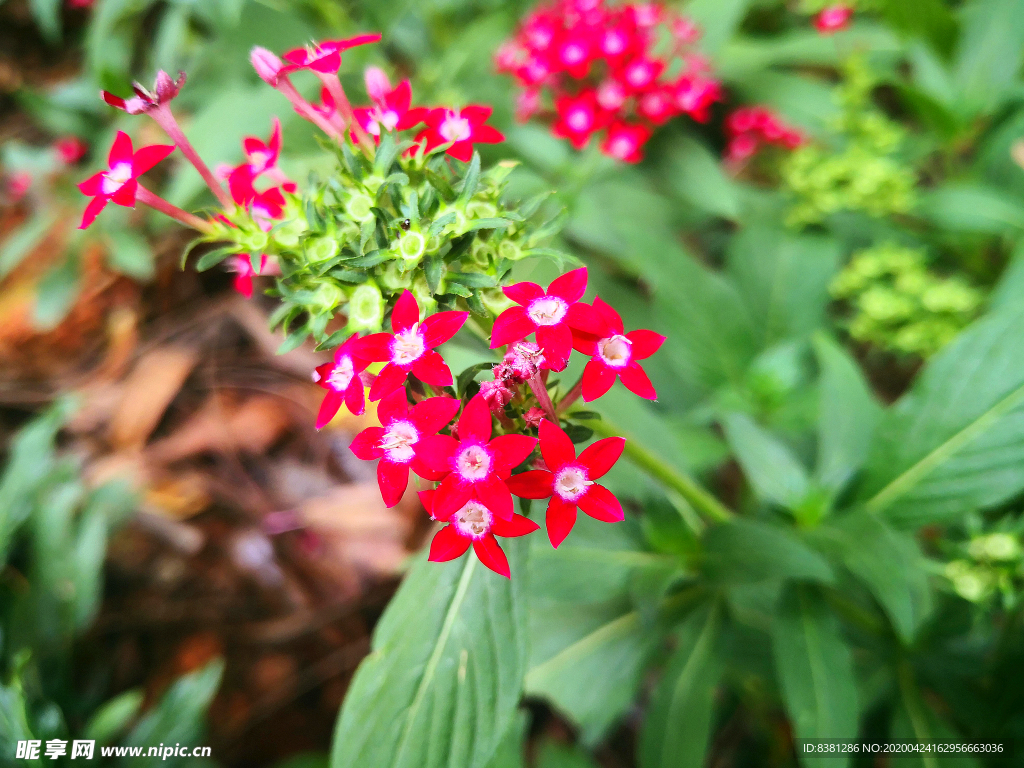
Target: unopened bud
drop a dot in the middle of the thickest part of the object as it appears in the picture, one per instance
(496, 395)
(365, 309)
(377, 83)
(267, 65)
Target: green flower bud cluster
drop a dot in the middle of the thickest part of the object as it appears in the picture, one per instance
(865, 174)
(901, 306)
(407, 220)
(994, 564)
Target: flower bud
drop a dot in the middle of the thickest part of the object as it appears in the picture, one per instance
(377, 83)
(267, 65)
(328, 297)
(395, 277)
(495, 301)
(365, 309)
(358, 206)
(321, 249)
(496, 395)
(411, 247)
(534, 416)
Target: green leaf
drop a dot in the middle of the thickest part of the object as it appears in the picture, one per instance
(676, 730)
(697, 177)
(113, 717)
(775, 474)
(471, 181)
(433, 268)
(495, 222)
(472, 279)
(131, 254)
(443, 679)
(387, 151)
(930, 20)
(718, 20)
(814, 669)
(989, 56)
(847, 415)
(20, 244)
(972, 208)
(746, 551)
(554, 755)
(510, 751)
(214, 257)
(47, 16)
(955, 442)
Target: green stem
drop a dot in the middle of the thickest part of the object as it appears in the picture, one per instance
(911, 700)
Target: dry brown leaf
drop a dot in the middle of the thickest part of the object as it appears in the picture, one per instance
(151, 386)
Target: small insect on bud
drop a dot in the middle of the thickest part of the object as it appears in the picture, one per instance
(406, 224)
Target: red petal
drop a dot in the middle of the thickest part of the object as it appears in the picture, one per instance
(492, 555)
(645, 343)
(599, 457)
(352, 42)
(601, 504)
(555, 446)
(392, 479)
(475, 422)
(433, 413)
(523, 293)
(571, 286)
(149, 156)
(393, 407)
(274, 145)
(406, 312)
(431, 369)
(495, 495)
(365, 444)
(584, 317)
(411, 118)
(328, 408)
(447, 544)
(355, 397)
(584, 343)
(120, 150)
(452, 495)
(92, 210)
(436, 451)
(476, 113)
(375, 347)
(511, 325)
(388, 380)
(517, 526)
(610, 317)
(400, 98)
(437, 329)
(635, 380)
(535, 484)
(461, 150)
(427, 500)
(510, 451)
(92, 185)
(597, 379)
(556, 341)
(243, 284)
(421, 469)
(560, 518)
(486, 134)
(125, 195)
(112, 100)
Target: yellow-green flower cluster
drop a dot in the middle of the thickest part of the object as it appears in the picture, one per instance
(994, 564)
(899, 304)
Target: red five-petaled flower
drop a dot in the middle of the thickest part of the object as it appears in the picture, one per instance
(474, 524)
(410, 347)
(394, 443)
(569, 481)
(326, 56)
(118, 184)
(477, 465)
(465, 127)
(342, 381)
(550, 314)
(390, 111)
(614, 353)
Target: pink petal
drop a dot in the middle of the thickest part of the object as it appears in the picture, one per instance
(243, 284)
(556, 341)
(475, 422)
(635, 380)
(555, 446)
(328, 408)
(645, 343)
(447, 545)
(365, 444)
(560, 518)
(432, 369)
(599, 457)
(375, 347)
(436, 451)
(355, 397)
(393, 407)
(120, 150)
(149, 156)
(608, 314)
(517, 526)
(511, 325)
(492, 555)
(275, 138)
(388, 380)
(601, 504)
(411, 118)
(92, 210)
(406, 312)
(437, 329)
(535, 484)
(495, 495)
(523, 293)
(452, 495)
(433, 413)
(400, 98)
(392, 479)
(597, 379)
(571, 286)
(510, 451)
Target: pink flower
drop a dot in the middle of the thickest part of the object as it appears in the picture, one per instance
(265, 207)
(70, 149)
(749, 127)
(474, 524)
(657, 105)
(611, 95)
(342, 381)
(394, 442)
(378, 85)
(18, 184)
(549, 314)
(578, 118)
(410, 348)
(527, 104)
(569, 481)
(80, 3)
(695, 94)
(496, 394)
(119, 184)
(390, 112)
(263, 155)
(241, 265)
(833, 19)
(614, 354)
(522, 361)
(638, 74)
(267, 65)
(145, 100)
(463, 127)
(574, 55)
(534, 416)
(476, 466)
(625, 142)
(324, 57)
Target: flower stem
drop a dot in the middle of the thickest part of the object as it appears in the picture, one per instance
(156, 202)
(305, 109)
(165, 119)
(341, 103)
(571, 396)
(540, 391)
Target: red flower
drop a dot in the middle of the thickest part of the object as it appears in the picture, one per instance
(575, 54)
(70, 149)
(578, 118)
(658, 105)
(569, 481)
(342, 381)
(695, 94)
(264, 207)
(119, 184)
(395, 441)
(625, 142)
(241, 265)
(464, 127)
(262, 155)
(390, 112)
(474, 524)
(640, 73)
(410, 348)
(615, 354)
(833, 19)
(549, 314)
(476, 465)
(325, 57)
(164, 89)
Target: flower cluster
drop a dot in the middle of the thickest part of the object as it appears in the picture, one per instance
(750, 128)
(833, 18)
(622, 70)
(401, 233)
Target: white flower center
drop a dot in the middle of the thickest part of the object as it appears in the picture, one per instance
(571, 483)
(547, 310)
(621, 147)
(455, 128)
(473, 520)
(399, 440)
(638, 75)
(614, 42)
(260, 160)
(408, 346)
(579, 119)
(573, 53)
(116, 178)
(615, 351)
(388, 118)
(473, 463)
(341, 375)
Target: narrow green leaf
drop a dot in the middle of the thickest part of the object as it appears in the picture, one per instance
(496, 222)
(472, 279)
(215, 257)
(471, 181)
(746, 551)
(18, 245)
(775, 474)
(433, 268)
